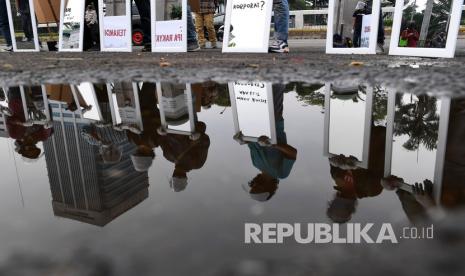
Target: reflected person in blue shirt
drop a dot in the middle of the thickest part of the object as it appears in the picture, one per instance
(275, 161)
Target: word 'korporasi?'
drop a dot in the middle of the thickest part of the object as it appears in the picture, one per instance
(257, 5)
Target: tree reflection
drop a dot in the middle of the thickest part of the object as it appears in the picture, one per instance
(419, 120)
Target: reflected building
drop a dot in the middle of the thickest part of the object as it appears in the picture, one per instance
(83, 188)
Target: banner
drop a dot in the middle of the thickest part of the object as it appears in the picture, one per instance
(247, 27)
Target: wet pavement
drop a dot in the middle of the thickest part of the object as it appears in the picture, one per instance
(138, 178)
(304, 63)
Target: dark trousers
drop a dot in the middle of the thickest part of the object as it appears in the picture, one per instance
(26, 22)
(4, 25)
(144, 11)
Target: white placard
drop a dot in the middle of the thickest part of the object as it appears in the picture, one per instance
(340, 22)
(169, 34)
(87, 92)
(16, 25)
(366, 31)
(115, 30)
(453, 23)
(71, 26)
(176, 106)
(347, 127)
(125, 105)
(253, 110)
(247, 27)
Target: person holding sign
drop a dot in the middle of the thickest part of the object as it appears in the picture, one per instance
(204, 19)
(281, 27)
(274, 161)
(91, 20)
(5, 26)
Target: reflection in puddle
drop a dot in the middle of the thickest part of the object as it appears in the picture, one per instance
(104, 150)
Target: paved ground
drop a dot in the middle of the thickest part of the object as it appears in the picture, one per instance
(307, 62)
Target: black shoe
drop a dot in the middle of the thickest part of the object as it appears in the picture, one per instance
(147, 48)
(193, 47)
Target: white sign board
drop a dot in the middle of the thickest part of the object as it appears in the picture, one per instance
(176, 108)
(169, 29)
(115, 25)
(125, 105)
(347, 127)
(24, 35)
(341, 28)
(253, 110)
(450, 25)
(366, 31)
(247, 27)
(86, 91)
(71, 26)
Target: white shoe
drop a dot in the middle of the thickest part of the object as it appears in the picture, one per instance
(6, 49)
(279, 46)
(380, 48)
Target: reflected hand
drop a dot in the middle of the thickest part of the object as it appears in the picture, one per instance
(194, 136)
(264, 141)
(238, 137)
(161, 131)
(422, 196)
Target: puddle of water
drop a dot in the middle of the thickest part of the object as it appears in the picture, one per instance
(148, 178)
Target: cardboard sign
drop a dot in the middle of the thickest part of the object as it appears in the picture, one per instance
(247, 27)
(255, 98)
(115, 25)
(71, 26)
(169, 25)
(23, 30)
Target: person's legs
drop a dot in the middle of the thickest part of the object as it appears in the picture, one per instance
(192, 44)
(281, 25)
(144, 11)
(381, 35)
(27, 26)
(281, 19)
(199, 28)
(208, 22)
(4, 24)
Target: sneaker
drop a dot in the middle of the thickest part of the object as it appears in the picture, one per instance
(214, 46)
(193, 47)
(380, 48)
(24, 39)
(279, 46)
(6, 49)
